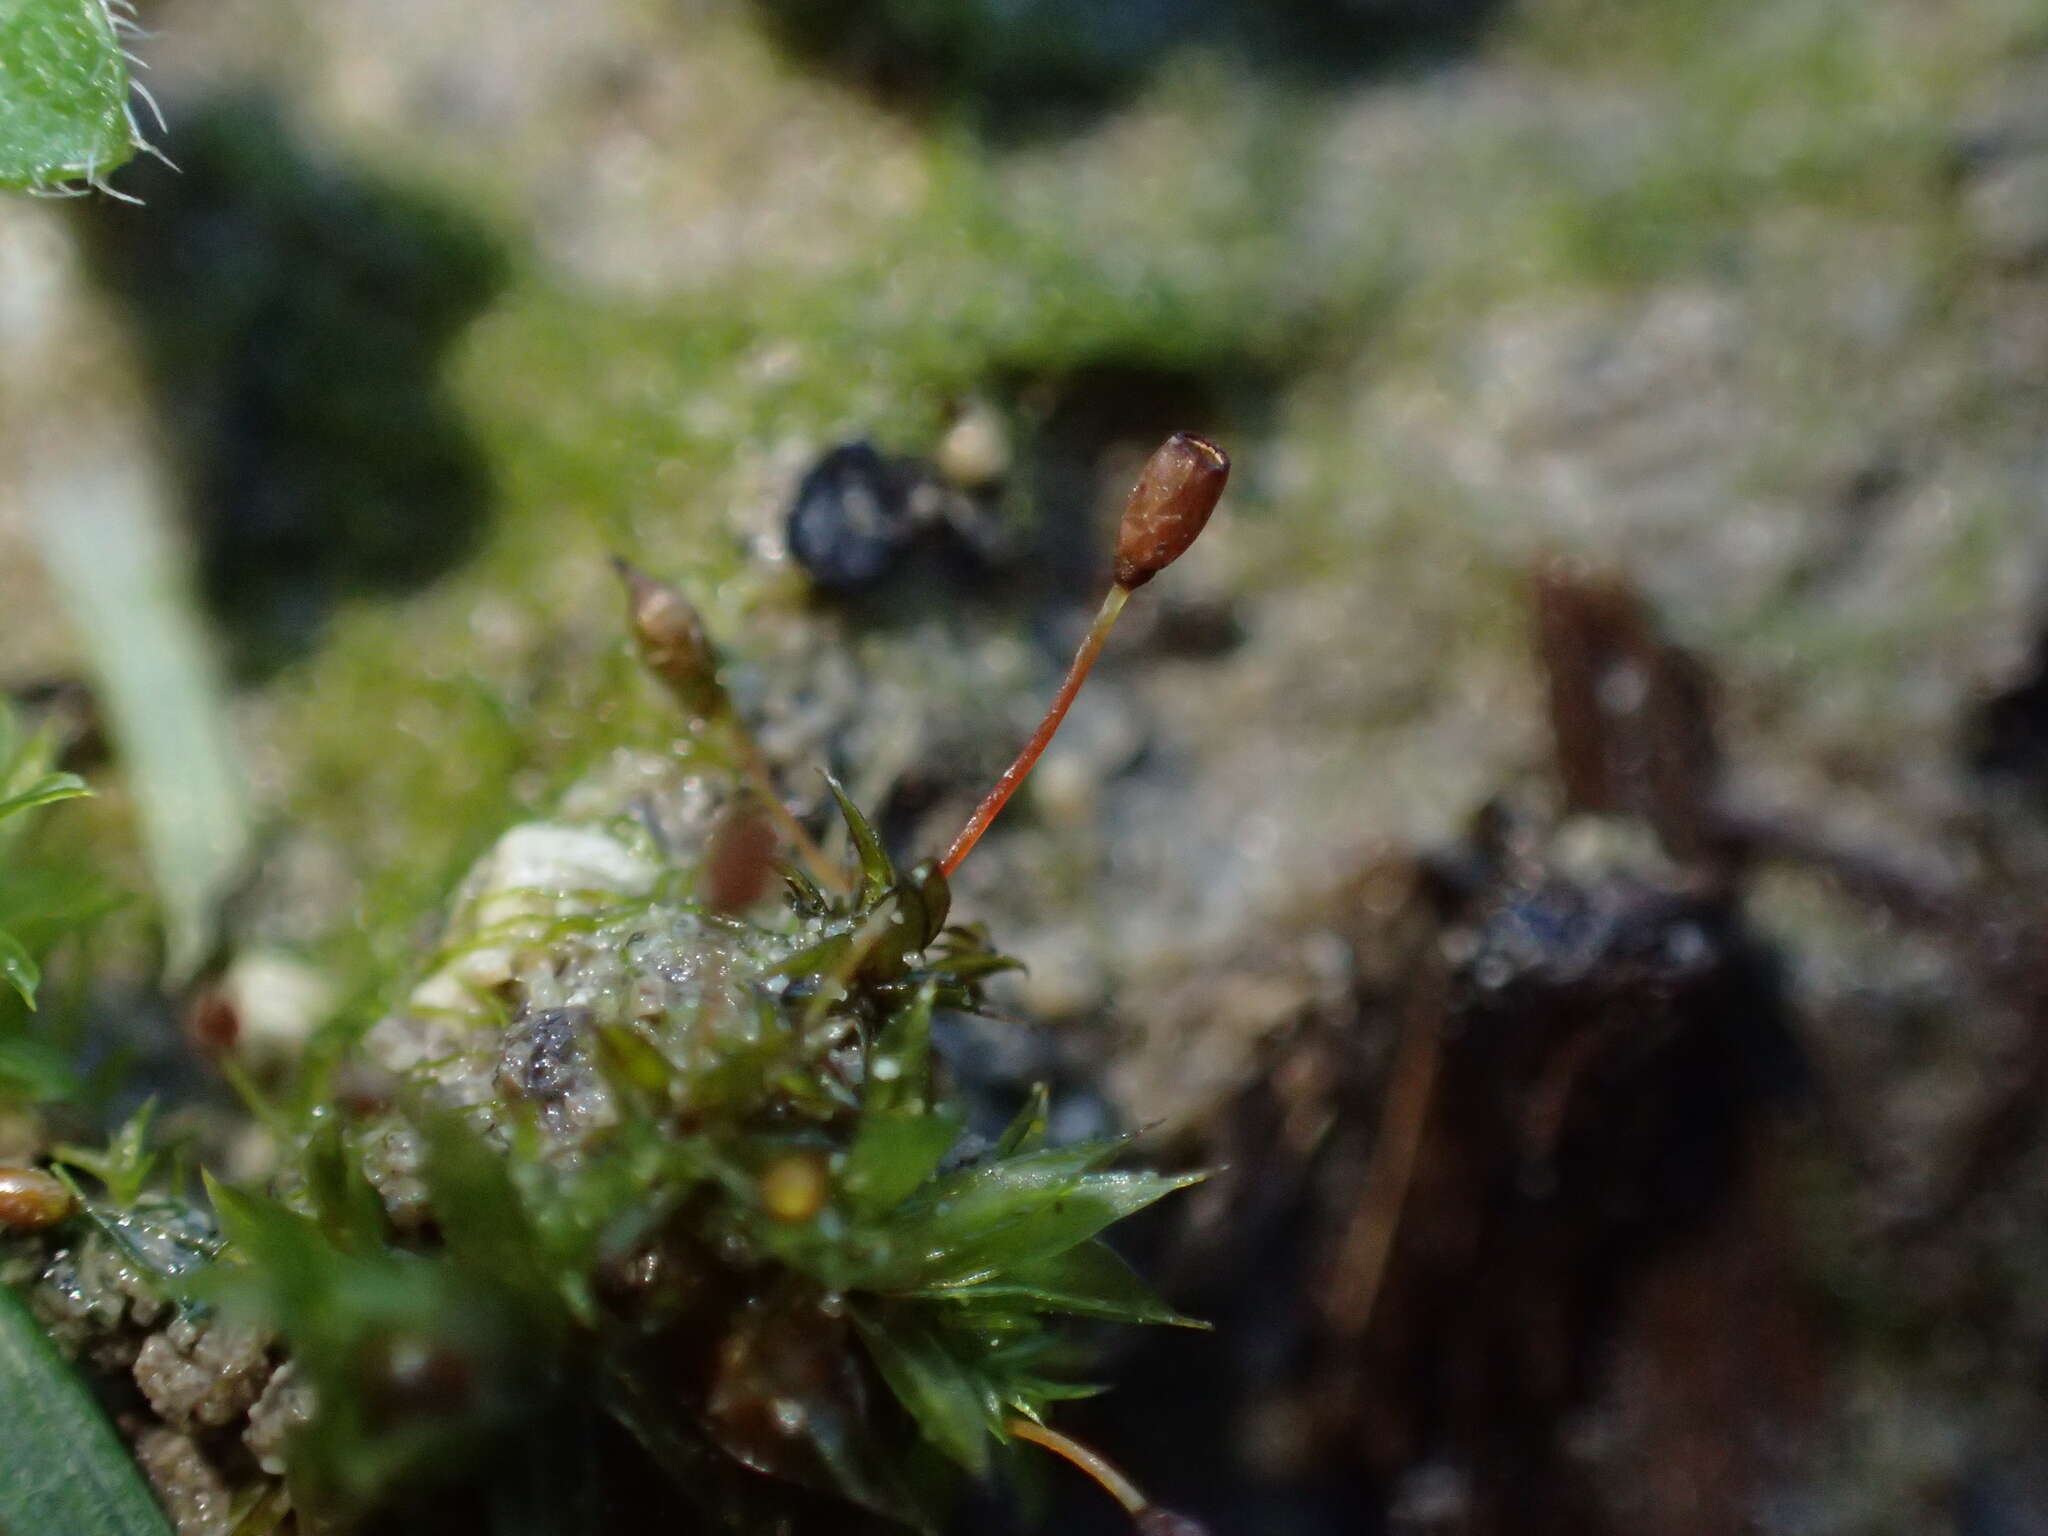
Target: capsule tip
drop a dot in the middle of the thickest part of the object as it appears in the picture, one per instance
(671, 638)
(1169, 507)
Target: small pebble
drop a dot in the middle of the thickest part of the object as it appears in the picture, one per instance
(851, 520)
(975, 452)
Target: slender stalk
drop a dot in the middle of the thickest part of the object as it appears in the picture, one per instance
(1167, 510)
(1006, 786)
(673, 645)
(1119, 1487)
(829, 876)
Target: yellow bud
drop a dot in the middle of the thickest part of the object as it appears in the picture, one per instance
(31, 1200)
(793, 1187)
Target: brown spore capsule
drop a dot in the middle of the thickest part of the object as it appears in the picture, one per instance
(740, 863)
(31, 1200)
(212, 1022)
(1169, 507)
(672, 642)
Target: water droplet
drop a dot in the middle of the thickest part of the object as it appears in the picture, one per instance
(1494, 972)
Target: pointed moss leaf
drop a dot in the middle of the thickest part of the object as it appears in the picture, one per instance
(924, 898)
(260, 1229)
(804, 894)
(478, 1209)
(899, 1070)
(970, 966)
(287, 1272)
(1097, 1201)
(1026, 1132)
(931, 1383)
(63, 93)
(47, 790)
(1033, 1392)
(1088, 1280)
(65, 1471)
(124, 1165)
(996, 1215)
(992, 1190)
(892, 1155)
(345, 1201)
(816, 959)
(632, 1062)
(18, 967)
(877, 874)
(32, 1073)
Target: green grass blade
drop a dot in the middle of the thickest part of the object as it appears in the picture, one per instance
(65, 1472)
(109, 541)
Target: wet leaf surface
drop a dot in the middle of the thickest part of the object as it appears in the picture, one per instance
(65, 1472)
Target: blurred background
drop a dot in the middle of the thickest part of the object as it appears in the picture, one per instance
(1569, 844)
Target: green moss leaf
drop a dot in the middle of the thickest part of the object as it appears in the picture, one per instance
(65, 1471)
(49, 788)
(1087, 1281)
(482, 1219)
(421, 1363)
(993, 1216)
(893, 1155)
(32, 1072)
(125, 1164)
(877, 873)
(941, 1393)
(899, 1067)
(1027, 1130)
(18, 967)
(63, 93)
(345, 1201)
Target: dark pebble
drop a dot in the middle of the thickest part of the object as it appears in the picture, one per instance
(852, 520)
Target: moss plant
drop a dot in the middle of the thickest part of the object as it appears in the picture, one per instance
(66, 1471)
(28, 1070)
(649, 1202)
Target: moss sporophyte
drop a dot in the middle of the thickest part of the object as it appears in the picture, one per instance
(650, 1200)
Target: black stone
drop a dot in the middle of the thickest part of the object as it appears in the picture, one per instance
(851, 521)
